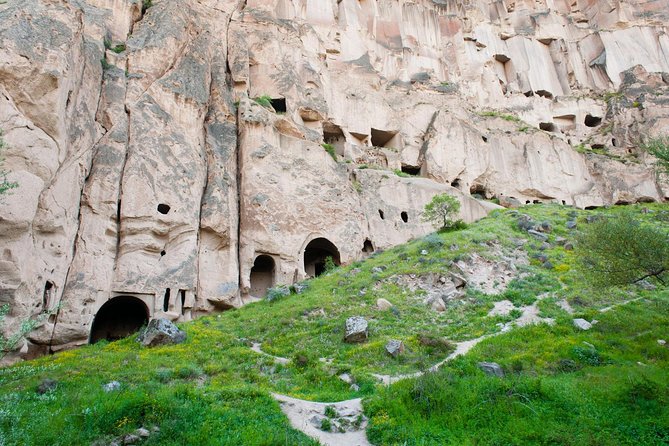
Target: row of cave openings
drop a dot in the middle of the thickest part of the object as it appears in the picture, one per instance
(123, 315)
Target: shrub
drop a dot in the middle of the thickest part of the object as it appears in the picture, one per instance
(331, 150)
(659, 148)
(622, 251)
(4, 184)
(277, 292)
(264, 100)
(441, 210)
(9, 343)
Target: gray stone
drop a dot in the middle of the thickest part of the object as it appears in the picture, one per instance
(491, 368)
(354, 388)
(560, 241)
(356, 329)
(538, 235)
(661, 342)
(348, 379)
(545, 227)
(112, 386)
(547, 264)
(383, 304)
(568, 246)
(544, 246)
(395, 347)
(130, 439)
(144, 433)
(571, 224)
(161, 332)
(582, 324)
(47, 385)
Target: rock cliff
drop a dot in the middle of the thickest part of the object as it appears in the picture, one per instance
(170, 157)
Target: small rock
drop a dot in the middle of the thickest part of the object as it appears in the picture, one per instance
(538, 235)
(378, 269)
(46, 386)
(547, 265)
(161, 332)
(582, 324)
(348, 379)
(423, 252)
(354, 388)
(491, 368)
(646, 285)
(544, 246)
(568, 246)
(542, 258)
(560, 241)
(571, 224)
(438, 305)
(130, 439)
(395, 348)
(458, 280)
(509, 202)
(112, 386)
(356, 329)
(383, 304)
(301, 287)
(545, 227)
(144, 433)
(661, 342)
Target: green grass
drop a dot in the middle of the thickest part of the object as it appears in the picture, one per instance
(213, 389)
(330, 149)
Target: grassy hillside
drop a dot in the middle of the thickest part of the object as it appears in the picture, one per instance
(562, 386)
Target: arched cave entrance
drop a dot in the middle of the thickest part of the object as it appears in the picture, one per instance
(315, 255)
(118, 318)
(262, 275)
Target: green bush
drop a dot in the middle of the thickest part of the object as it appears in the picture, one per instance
(331, 150)
(264, 100)
(659, 148)
(621, 250)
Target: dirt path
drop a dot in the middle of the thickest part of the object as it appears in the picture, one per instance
(306, 416)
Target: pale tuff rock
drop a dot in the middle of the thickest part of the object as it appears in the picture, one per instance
(153, 185)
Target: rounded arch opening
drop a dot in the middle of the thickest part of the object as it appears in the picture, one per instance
(316, 254)
(262, 275)
(118, 318)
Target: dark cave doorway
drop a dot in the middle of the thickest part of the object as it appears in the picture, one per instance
(119, 318)
(262, 275)
(315, 255)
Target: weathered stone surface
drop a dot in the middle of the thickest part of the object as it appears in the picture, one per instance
(383, 304)
(356, 329)
(582, 324)
(156, 176)
(394, 347)
(491, 368)
(161, 332)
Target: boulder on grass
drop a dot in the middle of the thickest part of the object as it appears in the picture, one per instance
(395, 348)
(356, 329)
(161, 332)
(491, 369)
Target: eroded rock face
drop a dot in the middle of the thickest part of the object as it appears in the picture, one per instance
(154, 174)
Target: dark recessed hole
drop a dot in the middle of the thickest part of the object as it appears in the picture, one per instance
(405, 217)
(46, 296)
(162, 253)
(528, 202)
(536, 201)
(166, 300)
(118, 318)
(182, 295)
(614, 143)
(484, 138)
(381, 215)
(411, 170)
(529, 93)
(547, 126)
(279, 105)
(564, 202)
(591, 208)
(501, 58)
(545, 94)
(598, 146)
(380, 138)
(262, 275)
(455, 183)
(316, 256)
(592, 121)
(367, 247)
(164, 208)
(623, 203)
(478, 191)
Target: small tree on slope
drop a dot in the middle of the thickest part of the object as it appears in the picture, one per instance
(441, 210)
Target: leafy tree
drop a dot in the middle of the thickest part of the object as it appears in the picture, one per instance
(441, 210)
(659, 148)
(621, 250)
(4, 184)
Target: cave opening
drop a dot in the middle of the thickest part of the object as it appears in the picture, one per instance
(316, 254)
(262, 275)
(118, 318)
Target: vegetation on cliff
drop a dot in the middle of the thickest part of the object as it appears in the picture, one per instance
(562, 385)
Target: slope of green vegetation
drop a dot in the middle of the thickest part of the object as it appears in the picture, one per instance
(562, 386)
